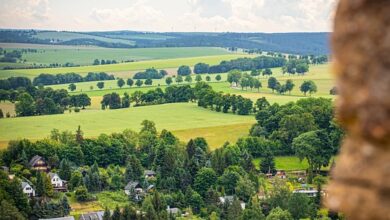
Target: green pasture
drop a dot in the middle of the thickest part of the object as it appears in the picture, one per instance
(86, 55)
(123, 69)
(173, 117)
(290, 163)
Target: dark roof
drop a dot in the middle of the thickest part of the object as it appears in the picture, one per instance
(92, 216)
(132, 185)
(35, 159)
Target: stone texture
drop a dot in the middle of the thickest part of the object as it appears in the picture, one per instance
(361, 52)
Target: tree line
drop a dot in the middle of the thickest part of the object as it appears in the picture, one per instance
(151, 73)
(50, 79)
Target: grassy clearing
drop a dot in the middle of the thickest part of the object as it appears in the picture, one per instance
(173, 117)
(121, 67)
(216, 136)
(290, 163)
(86, 55)
(104, 199)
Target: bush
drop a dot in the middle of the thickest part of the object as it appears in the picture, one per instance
(76, 109)
(82, 194)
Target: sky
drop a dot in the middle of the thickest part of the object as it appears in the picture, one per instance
(169, 15)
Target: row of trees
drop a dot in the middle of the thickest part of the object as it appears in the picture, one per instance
(43, 101)
(50, 79)
(151, 73)
(103, 62)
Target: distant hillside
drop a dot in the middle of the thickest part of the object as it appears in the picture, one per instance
(296, 43)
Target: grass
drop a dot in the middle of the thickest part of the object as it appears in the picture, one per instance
(86, 55)
(181, 117)
(289, 163)
(123, 67)
(104, 199)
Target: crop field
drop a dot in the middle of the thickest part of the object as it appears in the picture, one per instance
(86, 55)
(181, 117)
(123, 67)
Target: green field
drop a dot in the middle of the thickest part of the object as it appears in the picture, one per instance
(289, 163)
(124, 69)
(86, 55)
(174, 117)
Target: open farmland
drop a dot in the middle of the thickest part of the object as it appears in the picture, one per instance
(182, 117)
(82, 55)
(123, 67)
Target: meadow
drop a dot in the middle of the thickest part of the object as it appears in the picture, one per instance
(123, 69)
(83, 55)
(181, 117)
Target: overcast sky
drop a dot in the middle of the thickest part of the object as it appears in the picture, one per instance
(169, 15)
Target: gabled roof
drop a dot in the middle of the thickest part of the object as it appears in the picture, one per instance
(132, 185)
(92, 216)
(24, 184)
(52, 175)
(173, 210)
(35, 159)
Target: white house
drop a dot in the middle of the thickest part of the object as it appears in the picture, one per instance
(308, 192)
(27, 189)
(57, 182)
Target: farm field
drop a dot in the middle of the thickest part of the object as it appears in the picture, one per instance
(86, 55)
(124, 67)
(290, 163)
(181, 117)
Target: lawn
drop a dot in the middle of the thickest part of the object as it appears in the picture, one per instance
(86, 55)
(124, 67)
(289, 163)
(180, 117)
(104, 199)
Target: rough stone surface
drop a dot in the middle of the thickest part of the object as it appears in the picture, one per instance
(361, 52)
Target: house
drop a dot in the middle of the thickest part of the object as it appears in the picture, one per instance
(149, 174)
(38, 163)
(135, 189)
(173, 211)
(229, 200)
(5, 169)
(92, 216)
(308, 192)
(27, 189)
(60, 218)
(57, 182)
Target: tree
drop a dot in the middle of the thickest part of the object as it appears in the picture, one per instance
(267, 163)
(245, 189)
(25, 106)
(279, 214)
(234, 76)
(204, 179)
(100, 85)
(218, 77)
(188, 79)
(148, 208)
(253, 210)
(208, 78)
(289, 86)
(257, 84)
(262, 103)
(81, 194)
(148, 82)
(198, 78)
(72, 87)
(184, 71)
(272, 83)
(299, 206)
(107, 214)
(65, 205)
(130, 82)
(96, 62)
(200, 68)
(168, 80)
(179, 79)
(234, 210)
(308, 86)
(1, 114)
(267, 72)
(121, 82)
(315, 147)
(139, 83)
(8, 211)
(133, 170)
(116, 215)
(65, 170)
